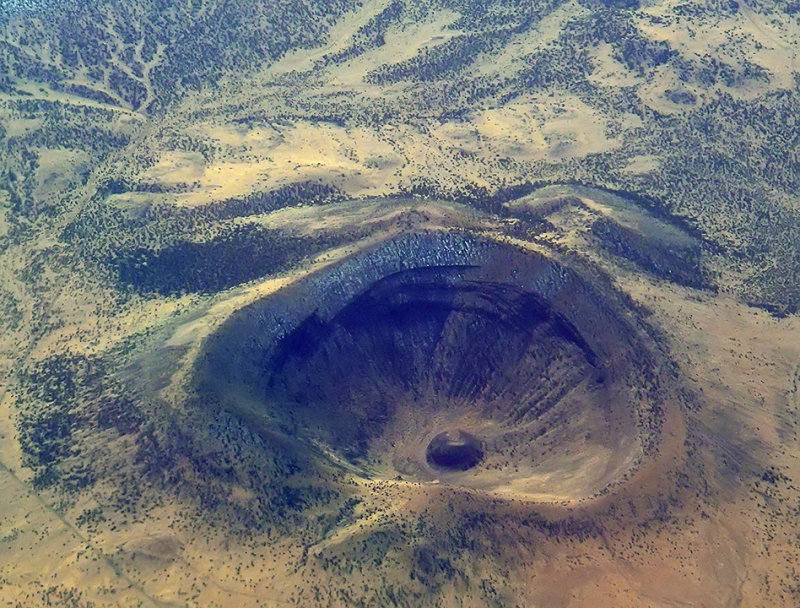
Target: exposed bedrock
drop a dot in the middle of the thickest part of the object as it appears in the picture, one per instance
(439, 356)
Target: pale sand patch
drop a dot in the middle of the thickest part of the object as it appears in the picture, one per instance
(58, 167)
(62, 555)
(5, 212)
(513, 56)
(664, 78)
(264, 158)
(535, 127)
(644, 163)
(771, 42)
(340, 35)
(19, 127)
(402, 42)
(609, 72)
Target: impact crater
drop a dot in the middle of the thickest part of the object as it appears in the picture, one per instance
(439, 356)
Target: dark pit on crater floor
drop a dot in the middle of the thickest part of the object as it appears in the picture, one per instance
(454, 450)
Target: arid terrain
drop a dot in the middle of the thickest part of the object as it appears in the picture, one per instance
(454, 303)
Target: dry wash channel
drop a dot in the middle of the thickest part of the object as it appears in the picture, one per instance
(445, 357)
